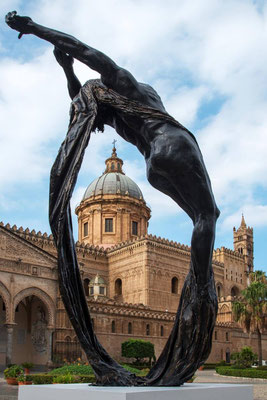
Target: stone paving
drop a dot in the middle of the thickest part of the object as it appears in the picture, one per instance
(9, 392)
(210, 376)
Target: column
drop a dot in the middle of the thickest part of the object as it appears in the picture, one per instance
(50, 331)
(10, 330)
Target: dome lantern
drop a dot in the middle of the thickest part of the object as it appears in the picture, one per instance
(114, 163)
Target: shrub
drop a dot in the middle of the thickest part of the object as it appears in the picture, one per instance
(41, 379)
(245, 358)
(86, 370)
(14, 371)
(73, 369)
(222, 362)
(68, 378)
(21, 378)
(27, 365)
(138, 349)
(86, 379)
(246, 373)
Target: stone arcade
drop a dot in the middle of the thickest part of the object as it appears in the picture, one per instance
(132, 280)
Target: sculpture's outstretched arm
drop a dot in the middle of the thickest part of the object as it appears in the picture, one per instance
(66, 62)
(112, 75)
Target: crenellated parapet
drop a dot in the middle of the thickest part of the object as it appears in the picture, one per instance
(150, 240)
(32, 236)
(113, 307)
(231, 253)
(43, 239)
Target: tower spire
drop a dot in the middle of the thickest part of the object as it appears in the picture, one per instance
(243, 223)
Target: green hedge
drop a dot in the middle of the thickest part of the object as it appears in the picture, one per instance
(75, 369)
(81, 374)
(45, 379)
(246, 373)
(41, 379)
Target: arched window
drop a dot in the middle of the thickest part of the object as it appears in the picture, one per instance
(113, 327)
(227, 336)
(219, 291)
(174, 285)
(147, 329)
(85, 229)
(112, 166)
(130, 328)
(118, 287)
(86, 286)
(162, 330)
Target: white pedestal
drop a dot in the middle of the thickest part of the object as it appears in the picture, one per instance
(189, 391)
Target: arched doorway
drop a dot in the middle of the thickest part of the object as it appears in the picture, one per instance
(234, 291)
(32, 337)
(228, 356)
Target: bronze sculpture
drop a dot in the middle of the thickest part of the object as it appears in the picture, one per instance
(174, 166)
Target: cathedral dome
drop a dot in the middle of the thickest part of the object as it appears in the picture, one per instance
(113, 181)
(113, 209)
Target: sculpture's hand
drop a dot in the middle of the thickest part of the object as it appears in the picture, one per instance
(64, 59)
(20, 24)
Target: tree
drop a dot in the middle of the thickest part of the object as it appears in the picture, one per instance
(251, 310)
(138, 349)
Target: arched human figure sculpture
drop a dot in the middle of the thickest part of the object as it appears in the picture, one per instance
(174, 166)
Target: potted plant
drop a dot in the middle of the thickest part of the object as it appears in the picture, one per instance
(12, 373)
(27, 366)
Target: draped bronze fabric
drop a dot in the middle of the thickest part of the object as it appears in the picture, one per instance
(189, 343)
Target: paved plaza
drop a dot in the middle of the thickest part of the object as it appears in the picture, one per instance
(8, 392)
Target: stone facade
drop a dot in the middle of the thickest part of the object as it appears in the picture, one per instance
(132, 280)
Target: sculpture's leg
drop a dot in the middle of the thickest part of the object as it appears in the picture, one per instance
(187, 182)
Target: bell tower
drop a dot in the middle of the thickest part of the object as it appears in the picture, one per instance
(243, 243)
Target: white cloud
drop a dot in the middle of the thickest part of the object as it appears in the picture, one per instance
(191, 52)
(255, 214)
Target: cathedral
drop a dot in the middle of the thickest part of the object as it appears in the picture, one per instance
(132, 280)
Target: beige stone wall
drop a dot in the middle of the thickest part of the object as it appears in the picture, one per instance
(235, 276)
(123, 210)
(146, 267)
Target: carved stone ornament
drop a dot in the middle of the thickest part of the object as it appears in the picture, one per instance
(39, 329)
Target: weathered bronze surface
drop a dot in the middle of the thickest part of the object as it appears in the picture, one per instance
(174, 166)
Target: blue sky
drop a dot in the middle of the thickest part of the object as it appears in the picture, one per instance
(207, 60)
